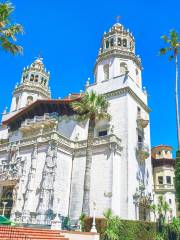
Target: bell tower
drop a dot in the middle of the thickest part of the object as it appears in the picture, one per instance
(117, 74)
(34, 85)
(117, 57)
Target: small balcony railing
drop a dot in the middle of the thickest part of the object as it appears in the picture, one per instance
(142, 120)
(164, 187)
(142, 151)
(36, 119)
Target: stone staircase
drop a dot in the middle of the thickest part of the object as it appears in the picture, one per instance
(24, 233)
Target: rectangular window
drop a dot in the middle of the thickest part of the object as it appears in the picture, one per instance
(140, 139)
(168, 179)
(102, 133)
(160, 179)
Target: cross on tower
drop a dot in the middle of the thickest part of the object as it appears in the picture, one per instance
(39, 56)
(118, 18)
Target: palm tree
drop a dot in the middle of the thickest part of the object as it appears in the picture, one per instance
(153, 209)
(91, 107)
(163, 208)
(166, 209)
(9, 30)
(173, 46)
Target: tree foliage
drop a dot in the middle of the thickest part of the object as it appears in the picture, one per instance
(173, 45)
(91, 107)
(9, 30)
(161, 209)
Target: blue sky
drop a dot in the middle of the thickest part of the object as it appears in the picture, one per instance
(68, 34)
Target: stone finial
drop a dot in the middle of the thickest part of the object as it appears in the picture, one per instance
(93, 229)
(88, 82)
(5, 110)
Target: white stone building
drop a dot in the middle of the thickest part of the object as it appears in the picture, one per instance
(43, 147)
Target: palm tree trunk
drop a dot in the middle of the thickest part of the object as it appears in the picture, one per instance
(87, 176)
(177, 103)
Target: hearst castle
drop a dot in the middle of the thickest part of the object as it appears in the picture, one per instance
(43, 146)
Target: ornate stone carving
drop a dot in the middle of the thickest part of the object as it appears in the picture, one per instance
(46, 197)
(30, 187)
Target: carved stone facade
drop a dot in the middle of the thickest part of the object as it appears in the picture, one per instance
(43, 147)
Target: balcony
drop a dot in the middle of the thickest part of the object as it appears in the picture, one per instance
(142, 120)
(164, 187)
(46, 121)
(142, 151)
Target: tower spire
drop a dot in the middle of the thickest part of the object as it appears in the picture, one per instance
(39, 56)
(118, 18)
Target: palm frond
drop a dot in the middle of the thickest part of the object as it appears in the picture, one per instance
(10, 47)
(173, 44)
(171, 57)
(6, 9)
(8, 30)
(174, 38)
(15, 29)
(165, 38)
(162, 51)
(91, 105)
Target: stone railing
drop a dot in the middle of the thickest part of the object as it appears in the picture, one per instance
(100, 141)
(31, 86)
(164, 187)
(118, 50)
(46, 116)
(61, 140)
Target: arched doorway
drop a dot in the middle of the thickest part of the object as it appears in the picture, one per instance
(6, 197)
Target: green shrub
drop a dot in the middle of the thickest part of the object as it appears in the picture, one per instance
(127, 229)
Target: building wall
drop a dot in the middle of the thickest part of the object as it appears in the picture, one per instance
(3, 132)
(123, 109)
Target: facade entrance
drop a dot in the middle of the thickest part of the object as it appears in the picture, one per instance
(6, 200)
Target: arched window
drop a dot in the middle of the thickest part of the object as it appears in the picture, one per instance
(95, 77)
(124, 42)
(123, 68)
(17, 102)
(137, 76)
(131, 45)
(119, 41)
(45, 81)
(32, 77)
(29, 100)
(36, 78)
(106, 71)
(42, 80)
(112, 42)
(107, 44)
